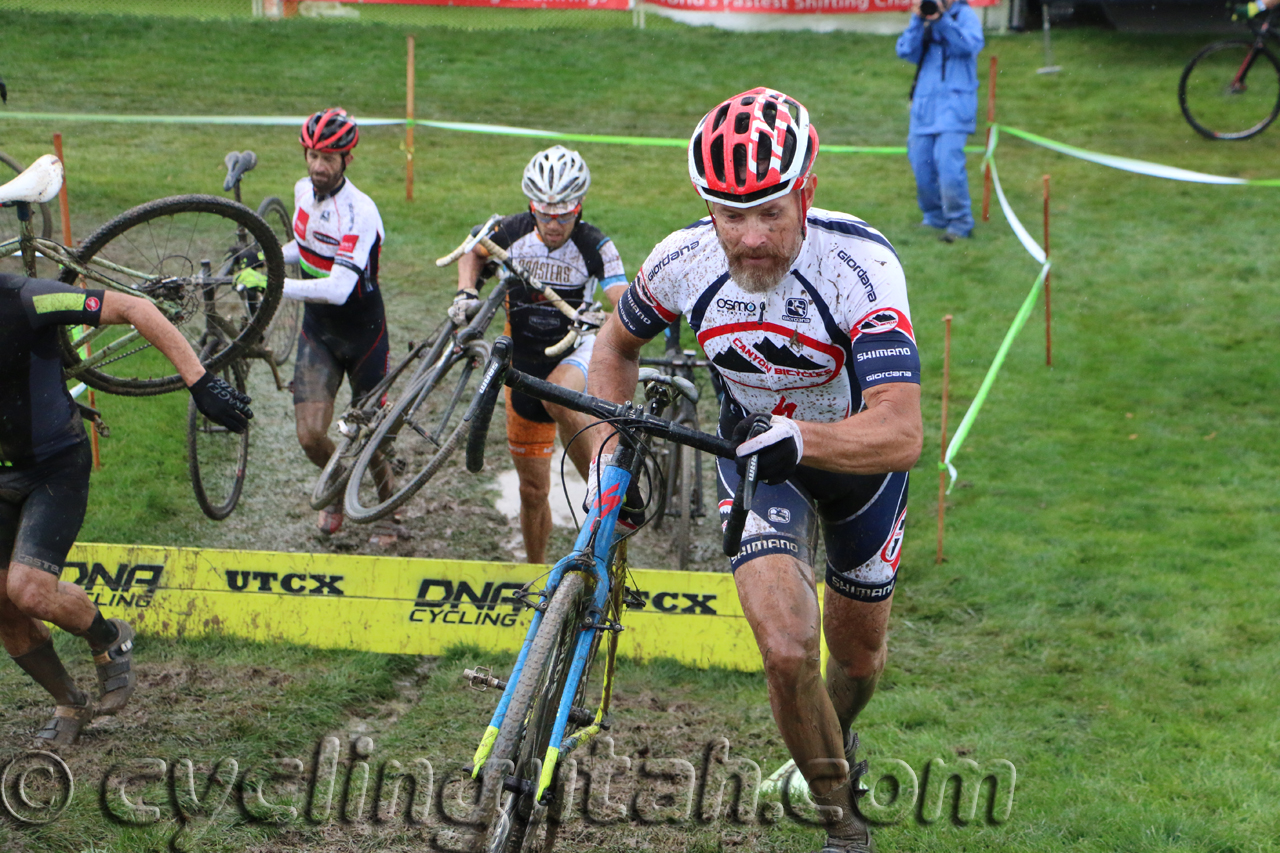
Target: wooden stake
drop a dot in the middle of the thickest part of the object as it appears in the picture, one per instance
(991, 118)
(408, 124)
(942, 453)
(66, 241)
(1048, 337)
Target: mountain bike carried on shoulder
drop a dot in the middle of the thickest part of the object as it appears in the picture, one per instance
(424, 426)
(1231, 88)
(543, 714)
(163, 252)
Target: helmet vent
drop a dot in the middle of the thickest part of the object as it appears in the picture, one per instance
(770, 113)
(717, 159)
(740, 164)
(721, 115)
(763, 154)
(741, 122)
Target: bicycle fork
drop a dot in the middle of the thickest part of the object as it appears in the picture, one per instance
(586, 557)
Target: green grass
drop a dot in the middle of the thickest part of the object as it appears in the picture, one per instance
(1106, 616)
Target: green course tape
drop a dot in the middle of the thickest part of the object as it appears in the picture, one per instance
(990, 379)
(1128, 164)
(464, 127)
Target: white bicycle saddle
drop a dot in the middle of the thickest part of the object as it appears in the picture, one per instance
(37, 185)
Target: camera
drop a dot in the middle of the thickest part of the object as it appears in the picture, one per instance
(928, 7)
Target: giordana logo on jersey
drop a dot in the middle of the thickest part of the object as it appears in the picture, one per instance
(863, 278)
(884, 320)
(770, 356)
(674, 256)
(798, 310)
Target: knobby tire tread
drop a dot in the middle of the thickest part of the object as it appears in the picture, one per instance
(249, 335)
(393, 422)
(565, 604)
(285, 325)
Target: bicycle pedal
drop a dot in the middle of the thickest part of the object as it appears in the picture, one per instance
(481, 679)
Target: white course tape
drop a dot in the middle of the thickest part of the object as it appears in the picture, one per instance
(1032, 247)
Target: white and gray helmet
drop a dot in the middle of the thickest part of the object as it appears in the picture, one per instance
(556, 176)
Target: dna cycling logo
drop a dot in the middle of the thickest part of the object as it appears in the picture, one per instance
(771, 356)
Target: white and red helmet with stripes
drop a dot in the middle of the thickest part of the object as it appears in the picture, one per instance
(754, 147)
(329, 131)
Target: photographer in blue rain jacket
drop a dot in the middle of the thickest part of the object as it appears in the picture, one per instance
(943, 40)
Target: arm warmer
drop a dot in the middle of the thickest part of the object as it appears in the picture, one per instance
(291, 253)
(332, 290)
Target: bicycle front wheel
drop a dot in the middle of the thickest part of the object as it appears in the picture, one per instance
(358, 424)
(416, 437)
(686, 497)
(282, 334)
(1230, 90)
(217, 457)
(525, 734)
(182, 253)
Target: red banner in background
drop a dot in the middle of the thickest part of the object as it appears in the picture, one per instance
(798, 7)
(783, 7)
(589, 5)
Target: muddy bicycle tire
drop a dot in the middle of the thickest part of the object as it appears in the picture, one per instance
(685, 499)
(1212, 101)
(525, 733)
(282, 333)
(440, 398)
(46, 219)
(165, 242)
(217, 458)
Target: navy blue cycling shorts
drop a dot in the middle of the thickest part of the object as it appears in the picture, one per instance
(861, 519)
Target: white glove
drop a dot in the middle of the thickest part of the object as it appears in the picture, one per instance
(592, 316)
(781, 447)
(464, 307)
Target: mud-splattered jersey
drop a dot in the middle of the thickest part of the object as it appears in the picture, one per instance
(837, 324)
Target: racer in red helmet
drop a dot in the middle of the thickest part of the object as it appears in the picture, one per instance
(803, 312)
(337, 245)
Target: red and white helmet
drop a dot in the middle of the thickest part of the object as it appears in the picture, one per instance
(752, 148)
(329, 131)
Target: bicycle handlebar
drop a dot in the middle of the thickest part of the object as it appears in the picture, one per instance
(499, 254)
(625, 416)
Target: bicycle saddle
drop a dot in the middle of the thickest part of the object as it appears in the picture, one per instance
(37, 185)
(237, 163)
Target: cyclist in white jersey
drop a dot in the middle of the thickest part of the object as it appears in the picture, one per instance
(804, 313)
(337, 242)
(574, 258)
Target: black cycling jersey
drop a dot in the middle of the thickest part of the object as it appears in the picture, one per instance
(587, 254)
(38, 417)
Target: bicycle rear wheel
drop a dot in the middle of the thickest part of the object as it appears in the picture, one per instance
(1230, 90)
(217, 457)
(282, 334)
(182, 252)
(358, 424)
(417, 435)
(525, 734)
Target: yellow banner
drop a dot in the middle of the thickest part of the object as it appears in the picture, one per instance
(390, 604)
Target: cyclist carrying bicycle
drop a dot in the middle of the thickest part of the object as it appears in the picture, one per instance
(804, 313)
(44, 487)
(572, 257)
(337, 242)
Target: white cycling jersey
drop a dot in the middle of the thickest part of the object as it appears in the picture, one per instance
(837, 324)
(338, 240)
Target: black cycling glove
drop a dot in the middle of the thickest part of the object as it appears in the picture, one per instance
(221, 403)
(777, 442)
